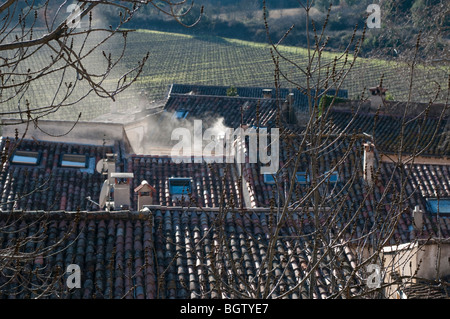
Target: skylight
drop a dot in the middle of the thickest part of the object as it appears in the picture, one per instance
(334, 177)
(178, 185)
(25, 158)
(302, 177)
(268, 179)
(73, 160)
(442, 205)
(181, 114)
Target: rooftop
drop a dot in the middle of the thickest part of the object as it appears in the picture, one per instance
(170, 253)
(182, 246)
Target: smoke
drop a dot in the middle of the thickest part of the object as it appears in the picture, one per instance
(153, 134)
(195, 140)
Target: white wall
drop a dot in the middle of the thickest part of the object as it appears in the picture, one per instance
(416, 260)
(65, 131)
(428, 258)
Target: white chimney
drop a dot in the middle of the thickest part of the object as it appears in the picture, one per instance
(121, 189)
(418, 219)
(369, 162)
(377, 96)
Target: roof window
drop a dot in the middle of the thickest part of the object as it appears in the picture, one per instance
(178, 185)
(181, 114)
(302, 177)
(442, 205)
(333, 177)
(268, 179)
(73, 160)
(26, 158)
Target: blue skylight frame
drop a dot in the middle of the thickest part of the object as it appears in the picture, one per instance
(443, 203)
(333, 178)
(302, 177)
(180, 185)
(180, 114)
(268, 179)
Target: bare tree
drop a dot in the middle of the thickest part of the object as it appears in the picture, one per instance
(430, 18)
(364, 228)
(60, 49)
(28, 242)
(315, 240)
(321, 239)
(72, 36)
(405, 24)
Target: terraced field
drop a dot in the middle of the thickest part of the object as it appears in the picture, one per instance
(177, 58)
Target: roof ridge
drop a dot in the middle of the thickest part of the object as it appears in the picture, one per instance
(223, 96)
(372, 114)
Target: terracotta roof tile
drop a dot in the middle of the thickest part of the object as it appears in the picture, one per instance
(191, 250)
(207, 189)
(387, 131)
(176, 253)
(427, 290)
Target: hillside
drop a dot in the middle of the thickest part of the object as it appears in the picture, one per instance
(188, 59)
(401, 22)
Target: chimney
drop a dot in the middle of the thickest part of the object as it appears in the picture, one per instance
(377, 96)
(285, 106)
(418, 219)
(291, 111)
(369, 162)
(145, 193)
(110, 164)
(121, 189)
(290, 99)
(267, 93)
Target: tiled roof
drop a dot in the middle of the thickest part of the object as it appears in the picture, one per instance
(169, 254)
(386, 131)
(428, 181)
(194, 251)
(327, 158)
(210, 182)
(428, 290)
(176, 252)
(48, 186)
(300, 101)
(115, 253)
(212, 108)
(62, 188)
(419, 182)
(422, 182)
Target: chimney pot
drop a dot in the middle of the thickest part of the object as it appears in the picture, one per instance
(145, 194)
(377, 96)
(267, 93)
(290, 99)
(418, 218)
(369, 161)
